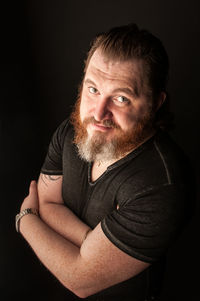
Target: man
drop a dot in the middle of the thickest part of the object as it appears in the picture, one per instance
(112, 192)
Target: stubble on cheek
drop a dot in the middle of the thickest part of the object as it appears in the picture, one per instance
(120, 142)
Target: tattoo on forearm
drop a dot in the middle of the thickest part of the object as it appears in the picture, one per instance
(46, 178)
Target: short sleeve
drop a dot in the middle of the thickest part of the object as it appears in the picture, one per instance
(144, 227)
(53, 162)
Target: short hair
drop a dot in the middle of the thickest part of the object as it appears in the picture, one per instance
(129, 42)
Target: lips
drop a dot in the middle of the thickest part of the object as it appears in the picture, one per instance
(100, 127)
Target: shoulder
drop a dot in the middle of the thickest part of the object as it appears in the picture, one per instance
(160, 161)
(63, 133)
(64, 128)
(160, 167)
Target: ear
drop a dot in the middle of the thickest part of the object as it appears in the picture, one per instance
(161, 100)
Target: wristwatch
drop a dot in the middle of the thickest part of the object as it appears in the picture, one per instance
(22, 213)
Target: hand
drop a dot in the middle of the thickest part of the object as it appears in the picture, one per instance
(31, 201)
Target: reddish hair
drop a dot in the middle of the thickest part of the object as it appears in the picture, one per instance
(129, 42)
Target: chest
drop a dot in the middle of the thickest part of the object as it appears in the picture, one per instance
(98, 169)
(89, 200)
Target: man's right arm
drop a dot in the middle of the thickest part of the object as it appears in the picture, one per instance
(55, 214)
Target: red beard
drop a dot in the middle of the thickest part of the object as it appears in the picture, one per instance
(122, 143)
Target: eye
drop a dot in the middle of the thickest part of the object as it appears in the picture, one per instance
(92, 90)
(121, 100)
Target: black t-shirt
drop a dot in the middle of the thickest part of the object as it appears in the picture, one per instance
(151, 187)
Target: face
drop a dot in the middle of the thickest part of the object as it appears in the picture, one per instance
(114, 109)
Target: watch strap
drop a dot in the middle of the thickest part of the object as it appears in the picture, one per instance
(23, 213)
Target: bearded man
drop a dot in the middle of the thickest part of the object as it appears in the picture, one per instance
(111, 196)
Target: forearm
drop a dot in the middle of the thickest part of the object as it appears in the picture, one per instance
(64, 221)
(60, 256)
(85, 270)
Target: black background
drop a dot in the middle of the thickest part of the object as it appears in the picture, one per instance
(44, 44)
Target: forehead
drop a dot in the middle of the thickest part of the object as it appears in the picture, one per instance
(128, 72)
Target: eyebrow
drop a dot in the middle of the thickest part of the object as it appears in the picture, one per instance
(89, 81)
(129, 91)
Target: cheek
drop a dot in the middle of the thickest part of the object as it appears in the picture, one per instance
(126, 120)
(85, 108)
(134, 115)
(141, 111)
(82, 110)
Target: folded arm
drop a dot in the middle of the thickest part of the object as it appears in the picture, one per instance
(85, 270)
(54, 212)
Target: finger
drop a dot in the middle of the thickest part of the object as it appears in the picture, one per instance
(33, 187)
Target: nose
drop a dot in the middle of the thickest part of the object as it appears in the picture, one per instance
(102, 111)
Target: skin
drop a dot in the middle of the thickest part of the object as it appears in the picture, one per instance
(108, 94)
(75, 254)
(112, 95)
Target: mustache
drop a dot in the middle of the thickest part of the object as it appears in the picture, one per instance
(107, 122)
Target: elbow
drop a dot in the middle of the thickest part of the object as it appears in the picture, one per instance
(81, 292)
(82, 283)
(84, 293)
